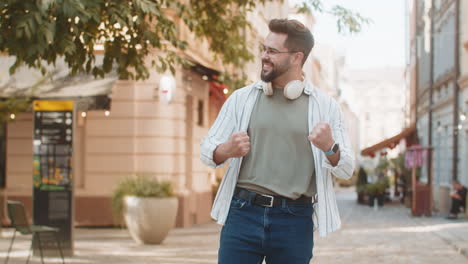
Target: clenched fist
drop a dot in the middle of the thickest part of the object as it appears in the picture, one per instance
(239, 144)
(321, 136)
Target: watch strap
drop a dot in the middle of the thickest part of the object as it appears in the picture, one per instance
(331, 152)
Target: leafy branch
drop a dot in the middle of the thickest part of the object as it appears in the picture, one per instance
(133, 36)
(347, 21)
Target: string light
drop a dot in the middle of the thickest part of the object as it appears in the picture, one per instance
(107, 113)
(12, 116)
(225, 90)
(462, 117)
(83, 114)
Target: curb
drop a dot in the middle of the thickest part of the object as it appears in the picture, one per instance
(460, 249)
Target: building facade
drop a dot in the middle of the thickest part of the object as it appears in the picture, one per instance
(377, 97)
(437, 73)
(137, 131)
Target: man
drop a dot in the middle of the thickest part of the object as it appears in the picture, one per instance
(458, 199)
(284, 139)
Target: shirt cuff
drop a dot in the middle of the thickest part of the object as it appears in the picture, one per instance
(326, 163)
(207, 151)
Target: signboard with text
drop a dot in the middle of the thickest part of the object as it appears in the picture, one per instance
(53, 171)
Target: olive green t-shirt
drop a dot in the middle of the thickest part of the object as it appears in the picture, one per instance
(280, 161)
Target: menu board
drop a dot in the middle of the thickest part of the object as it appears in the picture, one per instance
(52, 173)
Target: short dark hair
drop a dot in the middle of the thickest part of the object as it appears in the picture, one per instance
(299, 38)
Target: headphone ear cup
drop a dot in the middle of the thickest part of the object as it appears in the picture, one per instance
(268, 89)
(294, 89)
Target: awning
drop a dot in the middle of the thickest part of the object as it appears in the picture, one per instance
(198, 58)
(390, 142)
(87, 91)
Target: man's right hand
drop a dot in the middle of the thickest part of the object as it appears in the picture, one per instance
(237, 146)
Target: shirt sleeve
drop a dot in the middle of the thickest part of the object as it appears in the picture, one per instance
(345, 167)
(222, 129)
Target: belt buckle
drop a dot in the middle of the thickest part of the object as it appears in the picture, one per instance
(271, 199)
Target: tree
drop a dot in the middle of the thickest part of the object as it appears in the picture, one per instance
(38, 32)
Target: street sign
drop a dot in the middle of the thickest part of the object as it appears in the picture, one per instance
(53, 174)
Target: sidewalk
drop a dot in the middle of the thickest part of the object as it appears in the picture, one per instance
(388, 235)
(453, 232)
(198, 245)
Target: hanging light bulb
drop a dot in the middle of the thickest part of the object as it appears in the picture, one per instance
(107, 113)
(463, 117)
(83, 114)
(225, 90)
(13, 116)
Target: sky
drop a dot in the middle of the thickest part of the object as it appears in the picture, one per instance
(380, 44)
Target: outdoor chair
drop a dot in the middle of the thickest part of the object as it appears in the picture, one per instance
(19, 221)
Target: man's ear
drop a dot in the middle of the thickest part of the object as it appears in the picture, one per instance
(298, 57)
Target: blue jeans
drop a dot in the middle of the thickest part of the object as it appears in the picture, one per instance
(281, 235)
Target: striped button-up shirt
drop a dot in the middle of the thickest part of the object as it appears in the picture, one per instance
(234, 117)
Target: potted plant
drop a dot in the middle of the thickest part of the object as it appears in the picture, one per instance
(381, 187)
(147, 206)
(370, 190)
(376, 191)
(360, 185)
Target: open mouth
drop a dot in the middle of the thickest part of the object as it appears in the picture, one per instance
(267, 66)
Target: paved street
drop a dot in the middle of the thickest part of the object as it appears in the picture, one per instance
(388, 235)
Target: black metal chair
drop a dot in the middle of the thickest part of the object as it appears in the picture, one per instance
(19, 221)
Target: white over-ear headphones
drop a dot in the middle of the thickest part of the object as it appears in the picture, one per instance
(292, 90)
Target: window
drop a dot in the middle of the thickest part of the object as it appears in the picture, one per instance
(200, 112)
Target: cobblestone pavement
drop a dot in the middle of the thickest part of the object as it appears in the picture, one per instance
(388, 235)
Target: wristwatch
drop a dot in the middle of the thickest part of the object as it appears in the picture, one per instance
(333, 150)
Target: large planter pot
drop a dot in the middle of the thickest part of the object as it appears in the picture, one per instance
(149, 219)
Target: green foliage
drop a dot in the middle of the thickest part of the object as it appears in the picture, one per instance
(378, 187)
(19, 103)
(383, 166)
(141, 186)
(233, 80)
(398, 165)
(404, 174)
(362, 177)
(347, 21)
(39, 32)
(13, 105)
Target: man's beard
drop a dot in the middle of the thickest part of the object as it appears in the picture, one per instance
(274, 72)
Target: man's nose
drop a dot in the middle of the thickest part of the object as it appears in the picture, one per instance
(264, 55)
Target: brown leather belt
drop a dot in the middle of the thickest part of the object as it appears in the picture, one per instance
(271, 200)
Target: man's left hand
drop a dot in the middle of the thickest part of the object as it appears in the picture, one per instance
(321, 136)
